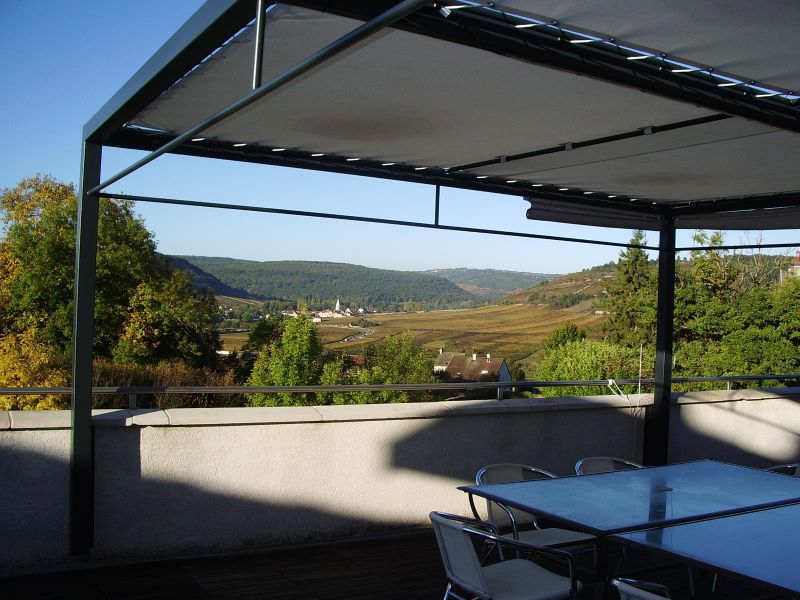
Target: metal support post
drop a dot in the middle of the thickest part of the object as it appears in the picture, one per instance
(436, 214)
(81, 480)
(656, 424)
(259, 51)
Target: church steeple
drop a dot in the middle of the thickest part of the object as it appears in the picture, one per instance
(338, 309)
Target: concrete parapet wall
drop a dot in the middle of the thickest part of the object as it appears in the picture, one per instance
(187, 481)
(191, 481)
(757, 428)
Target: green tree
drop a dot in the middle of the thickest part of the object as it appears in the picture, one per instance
(266, 331)
(631, 300)
(168, 320)
(37, 269)
(563, 335)
(293, 360)
(587, 360)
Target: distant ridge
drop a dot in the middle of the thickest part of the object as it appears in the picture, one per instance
(203, 279)
(491, 284)
(322, 283)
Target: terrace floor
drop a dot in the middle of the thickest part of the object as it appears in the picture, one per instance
(405, 566)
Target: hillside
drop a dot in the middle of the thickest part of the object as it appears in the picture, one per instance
(574, 291)
(322, 283)
(490, 284)
(203, 279)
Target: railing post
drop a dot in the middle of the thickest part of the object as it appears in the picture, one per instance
(81, 480)
(655, 449)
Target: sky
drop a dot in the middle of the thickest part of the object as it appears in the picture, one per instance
(62, 60)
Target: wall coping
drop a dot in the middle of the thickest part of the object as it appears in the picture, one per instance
(191, 417)
(736, 395)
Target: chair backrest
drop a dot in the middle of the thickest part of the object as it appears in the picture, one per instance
(507, 473)
(460, 560)
(630, 592)
(604, 464)
(792, 469)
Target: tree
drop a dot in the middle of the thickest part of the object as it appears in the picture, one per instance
(168, 320)
(37, 274)
(294, 360)
(266, 331)
(587, 360)
(631, 300)
(26, 362)
(563, 335)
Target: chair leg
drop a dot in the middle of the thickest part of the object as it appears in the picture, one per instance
(447, 590)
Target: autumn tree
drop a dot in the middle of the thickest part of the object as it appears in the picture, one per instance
(139, 296)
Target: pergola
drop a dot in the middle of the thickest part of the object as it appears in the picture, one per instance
(623, 114)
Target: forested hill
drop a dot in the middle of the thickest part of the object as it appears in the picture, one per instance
(490, 283)
(322, 283)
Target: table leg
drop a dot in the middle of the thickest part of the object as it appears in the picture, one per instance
(601, 569)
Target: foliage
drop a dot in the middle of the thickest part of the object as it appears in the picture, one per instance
(490, 283)
(568, 300)
(564, 335)
(395, 359)
(144, 309)
(26, 362)
(293, 360)
(165, 373)
(631, 300)
(320, 284)
(168, 320)
(587, 360)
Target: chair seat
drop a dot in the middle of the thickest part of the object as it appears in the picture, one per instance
(518, 579)
(554, 536)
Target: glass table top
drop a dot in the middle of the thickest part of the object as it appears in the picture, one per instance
(608, 503)
(761, 546)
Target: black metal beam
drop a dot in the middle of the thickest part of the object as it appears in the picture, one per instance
(214, 23)
(656, 424)
(594, 142)
(81, 481)
(360, 219)
(148, 140)
(761, 201)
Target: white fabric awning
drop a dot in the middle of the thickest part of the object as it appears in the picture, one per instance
(416, 99)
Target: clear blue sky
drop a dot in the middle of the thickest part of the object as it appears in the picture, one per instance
(60, 61)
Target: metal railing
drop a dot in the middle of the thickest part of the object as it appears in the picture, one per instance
(133, 392)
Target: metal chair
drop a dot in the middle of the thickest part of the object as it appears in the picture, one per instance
(632, 589)
(604, 464)
(513, 579)
(792, 469)
(504, 517)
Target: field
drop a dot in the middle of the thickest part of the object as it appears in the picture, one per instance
(509, 331)
(513, 332)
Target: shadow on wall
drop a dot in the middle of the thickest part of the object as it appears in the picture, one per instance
(137, 516)
(757, 433)
(458, 447)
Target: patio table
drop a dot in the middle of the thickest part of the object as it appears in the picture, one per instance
(621, 501)
(759, 547)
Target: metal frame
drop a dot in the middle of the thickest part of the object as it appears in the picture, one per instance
(656, 423)
(212, 24)
(481, 26)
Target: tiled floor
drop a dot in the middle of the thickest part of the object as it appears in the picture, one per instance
(402, 567)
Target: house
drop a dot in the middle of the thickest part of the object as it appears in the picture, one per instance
(457, 366)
